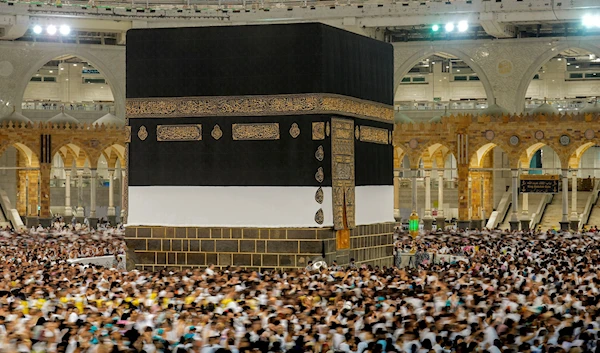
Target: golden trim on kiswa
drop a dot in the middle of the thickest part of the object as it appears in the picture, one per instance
(179, 132)
(288, 104)
(374, 135)
(318, 130)
(258, 131)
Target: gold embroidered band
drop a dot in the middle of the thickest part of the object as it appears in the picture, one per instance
(297, 104)
(374, 135)
(179, 132)
(261, 131)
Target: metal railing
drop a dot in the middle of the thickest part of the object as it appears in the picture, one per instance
(406, 183)
(441, 106)
(587, 211)
(536, 217)
(85, 182)
(565, 105)
(89, 107)
(198, 4)
(498, 216)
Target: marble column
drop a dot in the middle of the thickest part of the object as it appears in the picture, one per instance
(440, 220)
(94, 175)
(79, 211)
(564, 224)
(68, 208)
(482, 204)
(470, 199)
(525, 220)
(123, 195)
(514, 218)
(414, 190)
(397, 216)
(574, 213)
(463, 196)
(45, 215)
(93, 219)
(111, 212)
(525, 206)
(32, 198)
(111, 196)
(22, 192)
(427, 219)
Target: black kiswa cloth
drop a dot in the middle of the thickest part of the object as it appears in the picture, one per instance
(258, 60)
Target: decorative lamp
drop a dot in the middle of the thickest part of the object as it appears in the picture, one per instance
(413, 224)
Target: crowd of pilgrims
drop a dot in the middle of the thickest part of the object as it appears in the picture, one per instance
(518, 292)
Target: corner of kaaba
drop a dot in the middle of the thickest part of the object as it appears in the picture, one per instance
(261, 147)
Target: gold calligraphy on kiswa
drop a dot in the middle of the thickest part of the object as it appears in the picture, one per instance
(258, 106)
(179, 132)
(374, 135)
(262, 131)
(318, 130)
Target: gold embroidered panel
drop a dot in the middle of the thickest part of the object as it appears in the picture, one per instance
(374, 135)
(319, 196)
(142, 133)
(342, 153)
(320, 153)
(216, 132)
(294, 130)
(127, 133)
(344, 171)
(179, 132)
(318, 131)
(296, 104)
(261, 131)
(319, 216)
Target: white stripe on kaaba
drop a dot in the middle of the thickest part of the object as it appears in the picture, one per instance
(233, 206)
(374, 204)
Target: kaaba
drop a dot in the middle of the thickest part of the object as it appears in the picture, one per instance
(259, 146)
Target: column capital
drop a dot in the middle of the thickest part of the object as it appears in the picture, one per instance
(79, 172)
(68, 172)
(396, 173)
(565, 173)
(514, 172)
(440, 173)
(94, 172)
(427, 173)
(574, 172)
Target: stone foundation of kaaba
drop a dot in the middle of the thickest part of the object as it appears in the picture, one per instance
(256, 248)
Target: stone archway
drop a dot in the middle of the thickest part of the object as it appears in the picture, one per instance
(103, 67)
(542, 60)
(422, 54)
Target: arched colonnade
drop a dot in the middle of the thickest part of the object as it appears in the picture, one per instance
(72, 159)
(422, 150)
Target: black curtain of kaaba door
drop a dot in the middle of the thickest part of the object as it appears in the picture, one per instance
(258, 60)
(287, 161)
